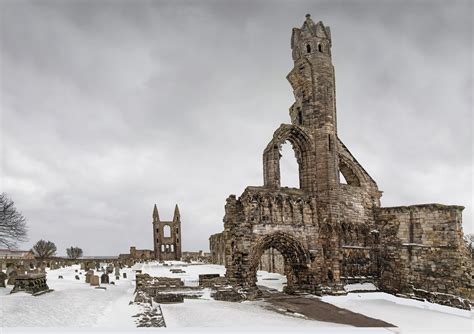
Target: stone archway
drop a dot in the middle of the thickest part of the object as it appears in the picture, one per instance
(296, 257)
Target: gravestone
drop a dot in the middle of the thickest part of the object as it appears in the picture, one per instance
(117, 270)
(117, 277)
(124, 275)
(11, 277)
(89, 274)
(77, 277)
(104, 278)
(94, 280)
(3, 277)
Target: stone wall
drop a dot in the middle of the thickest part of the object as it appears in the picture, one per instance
(217, 248)
(425, 250)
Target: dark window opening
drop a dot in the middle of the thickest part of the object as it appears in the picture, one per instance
(308, 48)
(320, 48)
(300, 117)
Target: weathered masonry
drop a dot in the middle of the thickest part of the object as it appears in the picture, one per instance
(167, 236)
(327, 231)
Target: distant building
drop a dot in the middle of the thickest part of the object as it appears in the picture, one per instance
(7, 254)
(167, 236)
(166, 240)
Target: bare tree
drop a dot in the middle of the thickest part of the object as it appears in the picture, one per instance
(12, 223)
(74, 252)
(44, 249)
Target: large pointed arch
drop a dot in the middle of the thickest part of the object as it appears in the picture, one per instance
(297, 258)
(302, 144)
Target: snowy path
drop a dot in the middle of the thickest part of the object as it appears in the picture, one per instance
(409, 315)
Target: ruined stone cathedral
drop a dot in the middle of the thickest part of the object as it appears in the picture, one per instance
(166, 236)
(330, 233)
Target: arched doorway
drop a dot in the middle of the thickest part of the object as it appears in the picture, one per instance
(296, 260)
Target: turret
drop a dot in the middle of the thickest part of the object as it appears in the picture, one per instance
(156, 217)
(177, 215)
(312, 77)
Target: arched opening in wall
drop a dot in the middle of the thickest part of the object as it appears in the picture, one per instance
(287, 257)
(289, 169)
(320, 48)
(167, 231)
(308, 48)
(347, 175)
(271, 270)
(342, 179)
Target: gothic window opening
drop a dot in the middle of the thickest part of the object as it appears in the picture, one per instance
(167, 231)
(347, 175)
(320, 48)
(289, 169)
(308, 48)
(342, 179)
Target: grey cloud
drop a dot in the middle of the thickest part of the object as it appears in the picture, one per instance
(109, 107)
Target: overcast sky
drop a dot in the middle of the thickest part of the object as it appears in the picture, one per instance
(108, 107)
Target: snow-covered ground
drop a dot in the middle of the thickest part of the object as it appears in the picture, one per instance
(75, 304)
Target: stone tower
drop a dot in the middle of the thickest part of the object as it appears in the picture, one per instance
(167, 236)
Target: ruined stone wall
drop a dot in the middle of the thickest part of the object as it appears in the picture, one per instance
(217, 248)
(285, 220)
(141, 254)
(424, 250)
(327, 232)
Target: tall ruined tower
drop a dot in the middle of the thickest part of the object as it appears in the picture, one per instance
(312, 79)
(167, 236)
